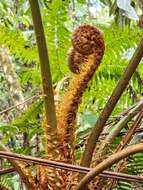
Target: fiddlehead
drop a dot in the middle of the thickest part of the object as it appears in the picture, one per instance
(84, 59)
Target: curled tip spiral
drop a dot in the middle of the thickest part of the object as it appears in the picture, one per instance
(86, 39)
(75, 60)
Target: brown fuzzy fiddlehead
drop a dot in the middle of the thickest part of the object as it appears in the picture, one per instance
(87, 39)
(84, 59)
(75, 60)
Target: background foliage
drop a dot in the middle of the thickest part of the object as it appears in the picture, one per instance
(21, 132)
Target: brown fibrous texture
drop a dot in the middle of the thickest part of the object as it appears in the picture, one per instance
(75, 60)
(84, 58)
(49, 178)
(87, 51)
(86, 39)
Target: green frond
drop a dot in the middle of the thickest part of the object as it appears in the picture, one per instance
(55, 20)
(5, 184)
(118, 41)
(18, 44)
